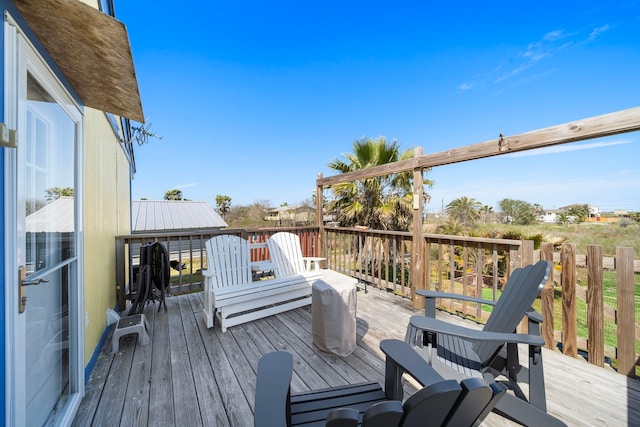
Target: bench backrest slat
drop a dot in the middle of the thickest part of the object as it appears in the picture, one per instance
(286, 254)
(228, 260)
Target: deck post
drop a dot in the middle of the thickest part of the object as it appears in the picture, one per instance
(322, 238)
(417, 269)
(526, 258)
(626, 353)
(595, 305)
(546, 297)
(569, 313)
(121, 274)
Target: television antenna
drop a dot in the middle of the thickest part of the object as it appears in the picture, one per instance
(142, 133)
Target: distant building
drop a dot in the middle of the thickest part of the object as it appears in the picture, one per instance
(173, 215)
(549, 216)
(594, 211)
(292, 215)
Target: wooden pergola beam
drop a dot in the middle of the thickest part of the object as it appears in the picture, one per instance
(619, 122)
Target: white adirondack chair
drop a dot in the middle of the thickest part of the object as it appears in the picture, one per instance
(286, 256)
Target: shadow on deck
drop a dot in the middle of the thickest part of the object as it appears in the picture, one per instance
(193, 376)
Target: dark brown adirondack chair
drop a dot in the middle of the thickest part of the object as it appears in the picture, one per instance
(439, 403)
(492, 353)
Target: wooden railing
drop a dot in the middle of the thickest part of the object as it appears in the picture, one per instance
(383, 258)
(577, 319)
(187, 255)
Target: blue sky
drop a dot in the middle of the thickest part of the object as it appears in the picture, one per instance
(254, 99)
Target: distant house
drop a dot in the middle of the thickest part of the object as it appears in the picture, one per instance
(149, 216)
(292, 215)
(549, 216)
(594, 211)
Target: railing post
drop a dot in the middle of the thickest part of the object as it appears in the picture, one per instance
(322, 237)
(120, 273)
(626, 352)
(526, 258)
(417, 269)
(527, 253)
(546, 298)
(569, 312)
(595, 305)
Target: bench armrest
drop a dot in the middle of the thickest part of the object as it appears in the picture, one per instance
(273, 390)
(308, 260)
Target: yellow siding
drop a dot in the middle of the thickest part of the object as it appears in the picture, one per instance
(106, 214)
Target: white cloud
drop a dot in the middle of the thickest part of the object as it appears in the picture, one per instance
(597, 31)
(465, 86)
(512, 73)
(189, 185)
(568, 147)
(554, 35)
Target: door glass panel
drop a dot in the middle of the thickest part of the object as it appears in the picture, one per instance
(47, 358)
(49, 180)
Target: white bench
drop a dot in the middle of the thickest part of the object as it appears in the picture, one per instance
(230, 295)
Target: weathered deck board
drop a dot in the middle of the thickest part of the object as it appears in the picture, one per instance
(207, 393)
(191, 375)
(161, 408)
(136, 401)
(186, 411)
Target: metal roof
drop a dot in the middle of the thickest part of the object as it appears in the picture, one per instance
(54, 217)
(171, 215)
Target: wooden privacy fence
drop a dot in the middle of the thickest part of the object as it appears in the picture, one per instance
(589, 324)
(576, 317)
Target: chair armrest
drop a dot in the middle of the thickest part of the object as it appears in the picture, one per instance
(402, 358)
(430, 300)
(438, 326)
(210, 281)
(434, 294)
(343, 417)
(534, 316)
(273, 390)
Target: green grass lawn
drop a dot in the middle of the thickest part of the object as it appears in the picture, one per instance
(609, 292)
(606, 235)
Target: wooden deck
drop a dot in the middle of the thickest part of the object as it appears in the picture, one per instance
(193, 376)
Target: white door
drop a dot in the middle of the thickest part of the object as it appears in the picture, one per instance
(45, 363)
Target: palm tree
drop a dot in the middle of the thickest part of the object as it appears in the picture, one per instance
(383, 202)
(487, 214)
(580, 212)
(57, 192)
(562, 218)
(174, 194)
(464, 210)
(223, 203)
